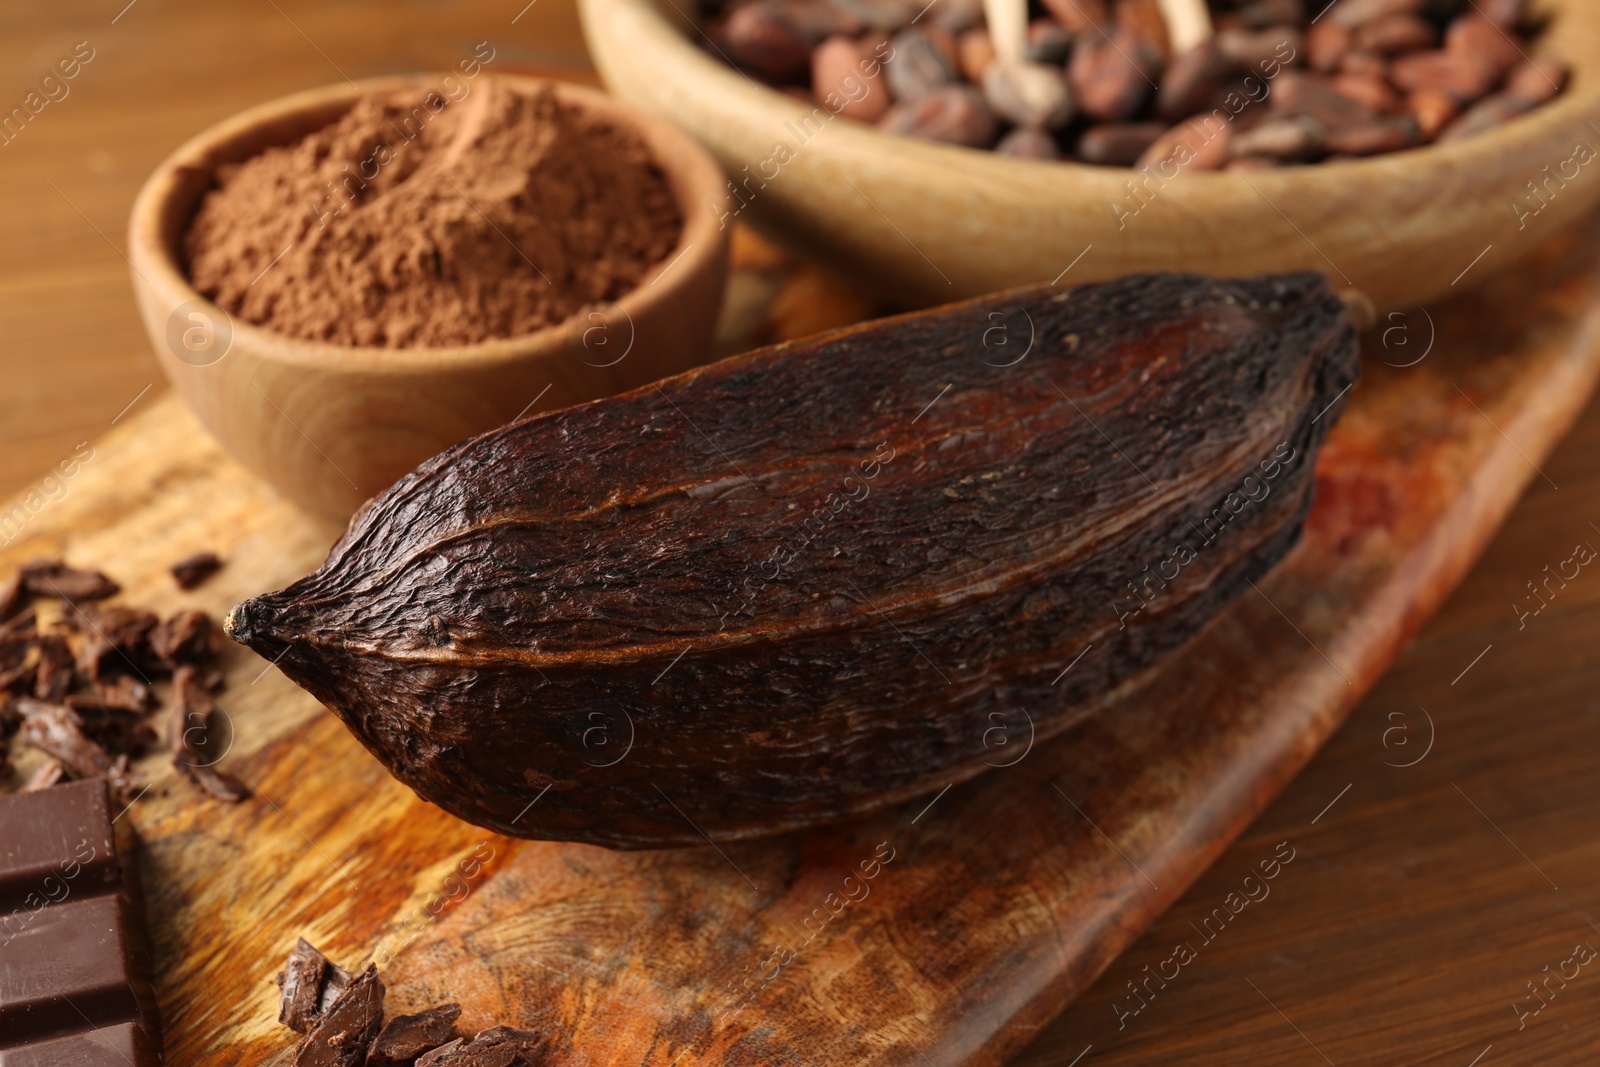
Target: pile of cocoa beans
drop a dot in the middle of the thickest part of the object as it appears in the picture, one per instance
(1278, 82)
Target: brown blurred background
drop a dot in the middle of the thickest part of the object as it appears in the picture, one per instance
(1409, 922)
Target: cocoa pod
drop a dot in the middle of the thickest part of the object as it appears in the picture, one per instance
(793, 585)
(919, 65)
(1118, 144)
(1028, 94)
(839, 77)
(1026, 143)
(955, 114)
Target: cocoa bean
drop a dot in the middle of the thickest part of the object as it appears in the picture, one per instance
(760, 38)
(838, 74)
(1028, 94)
(953, 114)
(1190, 80)
(1110, 77)
(1146, 23)
(1305, 93)
(918, 66)
(884, 15)
(1376, 93)
(974, 52)
(1198, 144)
(1434, 110)
(1294, 138)
(1025, 143)
(1264, 14)
(953, 16)
(1389, 134)
(1463, 78)
(1353, 13)
(1394, 34)
(1486, 114)
(1256, 50)
(1048, 42)
(1326, 45)
(1503, 13)
(1364, 64)
(1538, 79)
(1118, 144)
(1080, 15)
(1475, 38)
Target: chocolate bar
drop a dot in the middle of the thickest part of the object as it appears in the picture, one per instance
(74, 988)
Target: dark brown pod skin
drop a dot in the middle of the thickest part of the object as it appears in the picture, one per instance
(811, 580)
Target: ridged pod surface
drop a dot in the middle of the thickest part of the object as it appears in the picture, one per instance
(819, 577)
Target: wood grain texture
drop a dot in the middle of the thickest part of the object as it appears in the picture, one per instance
(980, 914)
(925, 223)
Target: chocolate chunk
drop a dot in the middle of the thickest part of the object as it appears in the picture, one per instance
(498, 1046)
(190, 571)
(408, 1036)
(112, 725)
(341, 1036)
(187, 637)
(57, 731)
(333, 986)
(74, 986)
(53, 578)
(54, 670)
(192, 736)
(12, 596)
(115, 639)
(301, 984)
(121, 1045)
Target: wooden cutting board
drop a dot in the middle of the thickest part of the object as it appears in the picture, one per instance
(971, 917)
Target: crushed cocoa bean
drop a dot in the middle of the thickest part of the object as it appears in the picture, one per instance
(191, 571)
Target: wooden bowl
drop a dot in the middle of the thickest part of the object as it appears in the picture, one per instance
(926, 223)
(331, 425)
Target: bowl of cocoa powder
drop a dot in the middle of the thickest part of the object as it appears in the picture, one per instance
(1406, 148)
(347, 281)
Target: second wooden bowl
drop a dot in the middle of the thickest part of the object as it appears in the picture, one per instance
(331, 425)
(924, 223)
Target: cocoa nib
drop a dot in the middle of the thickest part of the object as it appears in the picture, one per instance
(115, 639)
(341, 1034)
(406, 1037)
(53, 578)
(187, 637)
(190, 571)
(902, 527)
(57, 731)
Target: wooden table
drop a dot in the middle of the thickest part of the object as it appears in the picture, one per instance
(1423, 898)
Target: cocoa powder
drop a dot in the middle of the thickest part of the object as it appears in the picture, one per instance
(414, 220)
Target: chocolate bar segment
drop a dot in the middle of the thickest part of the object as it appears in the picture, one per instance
(74, 989)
